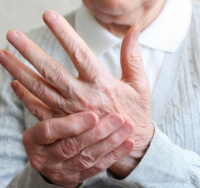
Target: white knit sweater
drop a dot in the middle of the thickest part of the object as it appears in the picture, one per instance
(173, 158)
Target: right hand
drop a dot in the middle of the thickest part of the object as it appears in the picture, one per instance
(68, 150)
(58, 93)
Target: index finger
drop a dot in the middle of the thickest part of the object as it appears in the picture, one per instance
(51, 130)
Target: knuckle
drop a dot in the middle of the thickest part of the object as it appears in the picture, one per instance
(35, 157)
(61, 107)
(36, 163)
(70, 147)
(36, 112)
(99, 168)
(37, 87)
(87, 159)
(81, 54)
(45, 130)
(53, 74)
(84, 59)
(115, 156)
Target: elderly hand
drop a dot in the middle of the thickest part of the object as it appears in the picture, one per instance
(68, 150)
(57, 93)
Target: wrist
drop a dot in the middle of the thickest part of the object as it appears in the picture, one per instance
(142, 139)
(123, 168)
(49, 182)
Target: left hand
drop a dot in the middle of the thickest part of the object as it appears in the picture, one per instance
(56, 92)
(68, 150)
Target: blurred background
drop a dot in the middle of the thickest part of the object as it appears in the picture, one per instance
(27, 14)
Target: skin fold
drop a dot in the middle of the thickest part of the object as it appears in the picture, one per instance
(116, 110)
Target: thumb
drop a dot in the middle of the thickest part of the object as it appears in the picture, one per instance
(131, 62)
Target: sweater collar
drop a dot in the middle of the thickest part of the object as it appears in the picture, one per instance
(166, 33)
(168, 30)
(97, 37)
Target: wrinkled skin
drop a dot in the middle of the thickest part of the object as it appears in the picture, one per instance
(119, 15)
(57, 93)
(70, 149)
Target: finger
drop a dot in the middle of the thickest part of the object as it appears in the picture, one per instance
(73, 178)
(47, 66)
(35, 106)
(92, 154)
(83, 58)
(108, 160)
(32, 81)
(131, 61)
(64, 179)
(67, 148)
(49, 131)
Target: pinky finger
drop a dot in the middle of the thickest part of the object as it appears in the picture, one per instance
(108, 160)
(35, 106)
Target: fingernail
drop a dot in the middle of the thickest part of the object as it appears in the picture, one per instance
(127, 128)
(12, 36)
(89, 120)
(3, 56)
(14, 85)
(50, 16)
(116, 121)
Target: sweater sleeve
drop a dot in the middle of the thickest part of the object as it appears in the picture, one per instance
(12, 153)
(165, 165)
(13, 158)
(30, 178)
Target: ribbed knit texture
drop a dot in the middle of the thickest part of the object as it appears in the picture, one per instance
(176, 98)
(175, 110)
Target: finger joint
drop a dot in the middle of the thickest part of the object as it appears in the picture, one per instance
(87, 159)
